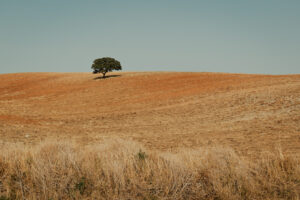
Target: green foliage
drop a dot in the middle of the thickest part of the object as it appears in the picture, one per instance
(141, 155)
(81, 185)
(106, 64)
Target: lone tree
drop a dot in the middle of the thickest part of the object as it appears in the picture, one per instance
(104, 65)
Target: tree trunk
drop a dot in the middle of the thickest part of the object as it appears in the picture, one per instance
(103, 74)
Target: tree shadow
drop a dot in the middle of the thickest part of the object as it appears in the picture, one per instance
(107, 76)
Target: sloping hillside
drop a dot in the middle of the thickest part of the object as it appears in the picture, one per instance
(167, 110)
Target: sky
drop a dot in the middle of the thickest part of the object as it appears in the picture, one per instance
(235, 36)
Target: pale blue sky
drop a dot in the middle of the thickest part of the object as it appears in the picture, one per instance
(254, 36)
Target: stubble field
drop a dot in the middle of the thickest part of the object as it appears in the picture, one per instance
(164, 111)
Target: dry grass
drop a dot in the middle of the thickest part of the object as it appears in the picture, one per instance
(206, 136)
(119, 169)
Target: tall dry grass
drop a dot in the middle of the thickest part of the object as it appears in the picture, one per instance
(118, 169)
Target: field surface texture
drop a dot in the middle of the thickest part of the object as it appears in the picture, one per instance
(160, 110)
(149, 135)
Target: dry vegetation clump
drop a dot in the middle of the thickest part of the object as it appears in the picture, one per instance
(118, 169)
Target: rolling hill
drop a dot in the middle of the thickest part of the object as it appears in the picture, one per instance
(161, 110)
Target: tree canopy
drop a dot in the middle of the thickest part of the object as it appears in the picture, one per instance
(106, 64)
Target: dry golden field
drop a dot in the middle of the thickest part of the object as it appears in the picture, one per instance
(160, 110)
(149, 135)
